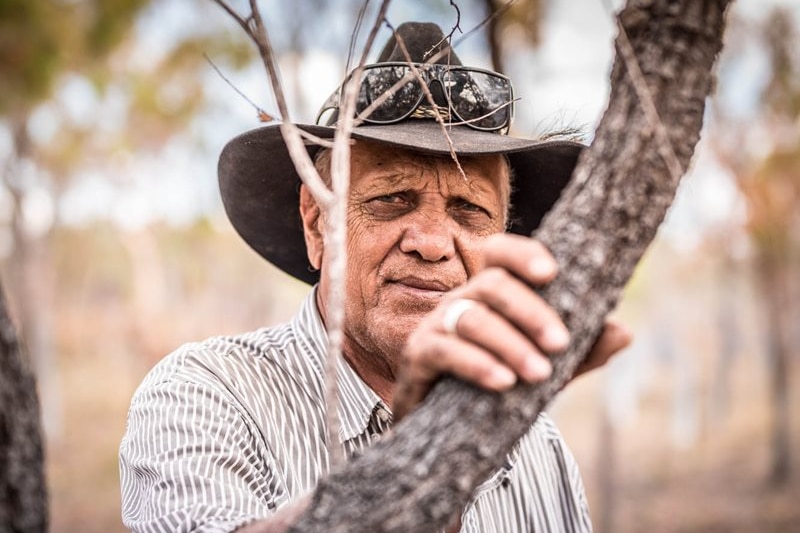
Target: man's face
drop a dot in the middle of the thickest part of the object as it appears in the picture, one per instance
(415, 228)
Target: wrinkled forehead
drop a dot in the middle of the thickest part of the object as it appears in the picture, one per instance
(389, 165)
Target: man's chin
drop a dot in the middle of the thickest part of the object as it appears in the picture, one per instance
(402, 315)
(405, 300)
(412, 309)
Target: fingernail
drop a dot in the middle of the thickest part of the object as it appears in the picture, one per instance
(537, 368)
(541, 267)
(503, 377)
(556, 339)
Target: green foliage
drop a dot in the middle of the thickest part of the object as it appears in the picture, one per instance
(772, 190)
(41, 39)
(524, 16)
(45, 42)
(773, 194)
(782, 94)
(108, 24)
(30, 50)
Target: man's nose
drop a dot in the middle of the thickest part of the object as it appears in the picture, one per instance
(431, 236)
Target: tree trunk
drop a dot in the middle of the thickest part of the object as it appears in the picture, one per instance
(729, 338)
(774, 276)
(493, 37)
(607, 474)
(422, 477)
(23, 497)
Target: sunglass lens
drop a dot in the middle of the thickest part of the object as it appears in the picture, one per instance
(377, 81)
(480, 98)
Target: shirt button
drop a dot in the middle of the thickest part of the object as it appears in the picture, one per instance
(383, 415)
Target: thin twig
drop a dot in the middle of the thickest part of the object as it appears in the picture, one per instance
(336, 229)
(335, 208)
(263, 116)
(235, 16)
(294, 143)
(325, 198)
(449, 37)
(408, 76)
(314, 139)
(484, 22)
(429, 97)
(354, 35)
(457, 25)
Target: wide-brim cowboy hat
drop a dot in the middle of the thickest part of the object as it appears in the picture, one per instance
(260, 186)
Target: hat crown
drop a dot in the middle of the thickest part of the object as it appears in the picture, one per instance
(423, 41)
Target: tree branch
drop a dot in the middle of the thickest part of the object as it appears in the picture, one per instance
(422, 477)
(337, 232)
(235, 16)
(23, 491)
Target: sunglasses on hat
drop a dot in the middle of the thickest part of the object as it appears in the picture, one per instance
(477, 98)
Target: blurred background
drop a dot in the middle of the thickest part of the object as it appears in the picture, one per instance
(114, 247)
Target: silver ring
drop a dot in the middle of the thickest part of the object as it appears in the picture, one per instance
(453, 313)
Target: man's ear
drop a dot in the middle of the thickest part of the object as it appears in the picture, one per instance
(313, 227)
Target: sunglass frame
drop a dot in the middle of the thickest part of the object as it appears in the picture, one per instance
(334, 101)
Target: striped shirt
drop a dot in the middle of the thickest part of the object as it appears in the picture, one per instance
(228, 430)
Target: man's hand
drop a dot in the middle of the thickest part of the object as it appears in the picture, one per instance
(496, 330)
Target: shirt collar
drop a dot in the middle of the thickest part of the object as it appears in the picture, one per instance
(357, 401)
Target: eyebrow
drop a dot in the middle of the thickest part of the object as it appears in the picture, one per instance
(393, 179)
(390, 178)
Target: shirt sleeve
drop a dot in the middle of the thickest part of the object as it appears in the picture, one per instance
(191, 461)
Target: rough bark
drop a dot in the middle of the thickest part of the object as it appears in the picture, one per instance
(421, 477)
(23, 497)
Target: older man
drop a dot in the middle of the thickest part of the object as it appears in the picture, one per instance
(224, 433)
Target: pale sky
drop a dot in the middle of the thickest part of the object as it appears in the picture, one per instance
(563, 82)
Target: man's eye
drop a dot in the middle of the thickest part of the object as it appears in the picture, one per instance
(388, 205)
(388, 198)
(465, 205)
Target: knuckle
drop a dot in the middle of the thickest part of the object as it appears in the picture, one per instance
(473, 319)
(422, 350)
(497, 289)
(538, 248)
(488, 280)
(412, 352)
(536, 331)
(481, 374)
(494, 246)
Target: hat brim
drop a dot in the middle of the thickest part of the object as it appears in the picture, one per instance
(260, 187)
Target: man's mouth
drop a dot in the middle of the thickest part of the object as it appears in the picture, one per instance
(422, 284)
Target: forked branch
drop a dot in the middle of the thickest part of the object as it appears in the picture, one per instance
(332, 200)
(421, 477)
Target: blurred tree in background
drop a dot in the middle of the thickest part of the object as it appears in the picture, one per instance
(520, 21)
(763, 155)
(62, 62)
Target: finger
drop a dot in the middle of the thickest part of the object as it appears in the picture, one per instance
(527, 258)
(614, 338)
(482, 326)
(519, 304)
(447, 354)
